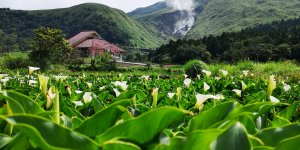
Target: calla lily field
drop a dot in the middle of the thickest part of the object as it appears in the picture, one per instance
(215, 110)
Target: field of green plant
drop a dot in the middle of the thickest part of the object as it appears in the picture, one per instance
(219, 109)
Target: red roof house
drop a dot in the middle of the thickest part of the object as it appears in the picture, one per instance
(91, 44)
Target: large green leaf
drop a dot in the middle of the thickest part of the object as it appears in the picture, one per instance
(20, 103)
(201, 139)
(19, 142)
(289, 111)
(289, 143)
(280, 121)
(145, 127)
(273, 136)
(234, 138)
(208, 118)
(48, 135)
(103, 120)
(120, 145)
(176, 143)
(257, 108)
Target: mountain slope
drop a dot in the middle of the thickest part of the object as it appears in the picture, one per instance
(112, 24)
(157, 17)
(233, 15)
(217, 16)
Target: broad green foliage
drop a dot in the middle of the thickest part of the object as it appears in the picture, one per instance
(153, 122)
(218, 110)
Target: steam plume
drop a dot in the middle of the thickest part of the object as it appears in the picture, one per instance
(187, 20)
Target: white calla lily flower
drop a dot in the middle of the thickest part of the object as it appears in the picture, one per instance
(61, 78)
(245, 72)
(122, 84)
(31, 69)
(207, 73)
(146, 78)
(206, 86)
(274, 99)
(102, 88)
(78, 91)
(32, 82)
(3, 75)
(238, 92)
(286, 88)
(117, 92)
(187, 82)
(202, 98)
(78, 103)
(224, 72)
(185, 76)
(171, 95)
(87, 97)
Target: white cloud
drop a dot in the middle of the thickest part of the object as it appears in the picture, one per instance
(125, 5)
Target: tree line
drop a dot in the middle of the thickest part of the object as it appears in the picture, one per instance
(279, 40)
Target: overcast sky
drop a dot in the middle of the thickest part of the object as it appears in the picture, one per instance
(125, 5)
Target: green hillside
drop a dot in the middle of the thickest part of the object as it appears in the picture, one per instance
(232, 15)
(217, 16)
(113, 25)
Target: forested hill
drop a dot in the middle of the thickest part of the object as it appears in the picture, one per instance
(278, 40)
(218, 16)
(114, 25)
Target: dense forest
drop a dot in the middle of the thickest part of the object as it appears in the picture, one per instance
(278, 40)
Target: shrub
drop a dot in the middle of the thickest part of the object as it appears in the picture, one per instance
(194, 68)
(16, 62)
(245, 65)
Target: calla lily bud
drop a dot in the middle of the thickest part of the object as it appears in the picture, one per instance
(50, 96)
(271, 85)
(178, 93)
(43, 80)
(154, 97)
(244, 86)
(68, 89)
(89, 85)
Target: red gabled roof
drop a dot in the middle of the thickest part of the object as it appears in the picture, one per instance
(80, 37)
(83, 40)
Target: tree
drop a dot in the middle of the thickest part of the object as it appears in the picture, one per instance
(49, 47)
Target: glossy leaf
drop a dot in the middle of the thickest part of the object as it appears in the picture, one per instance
(18, 142)
(20, 103)
(289, 143)
(234, 138)
(102, 120)
(201, 139)
(42, 133)
(273, 136)
(208, 118)
(120, 145)
(143, 128)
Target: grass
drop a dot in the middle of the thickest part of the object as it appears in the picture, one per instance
(285, 70)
